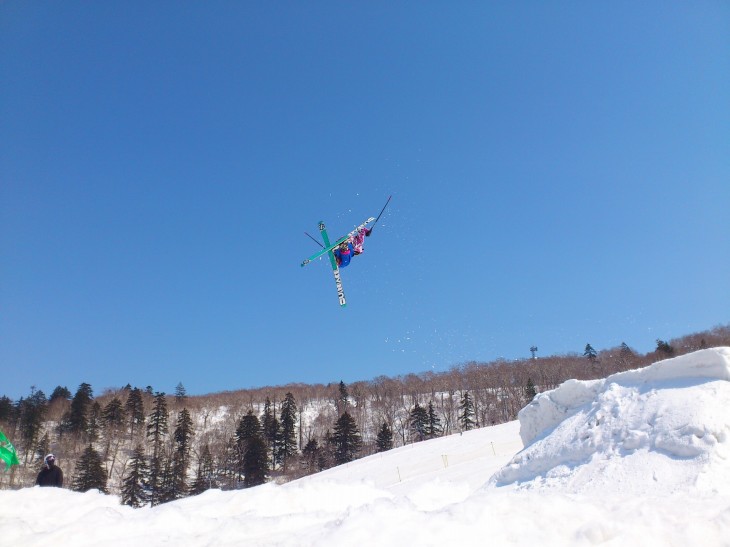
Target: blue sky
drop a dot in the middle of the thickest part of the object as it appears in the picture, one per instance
(560, 175)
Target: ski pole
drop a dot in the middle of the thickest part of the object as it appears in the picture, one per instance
(313, 239)
(381, 212)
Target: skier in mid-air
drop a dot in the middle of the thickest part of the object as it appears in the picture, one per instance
(353, 246)
(342, 250)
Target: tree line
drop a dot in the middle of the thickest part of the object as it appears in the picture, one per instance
(150, 448)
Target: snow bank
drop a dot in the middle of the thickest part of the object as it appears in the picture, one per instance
(662, 428)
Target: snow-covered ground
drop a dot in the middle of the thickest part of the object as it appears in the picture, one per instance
(639, 458)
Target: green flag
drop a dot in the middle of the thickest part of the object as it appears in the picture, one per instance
(7, 451)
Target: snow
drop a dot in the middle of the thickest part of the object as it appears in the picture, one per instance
(638, 458)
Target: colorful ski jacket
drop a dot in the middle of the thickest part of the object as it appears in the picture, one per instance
(343, 257)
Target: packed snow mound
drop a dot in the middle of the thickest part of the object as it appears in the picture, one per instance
(660, 429)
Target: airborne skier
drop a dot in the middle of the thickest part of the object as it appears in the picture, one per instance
(352, 247)
(341, 251)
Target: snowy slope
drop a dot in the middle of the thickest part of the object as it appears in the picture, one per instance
(639, 458)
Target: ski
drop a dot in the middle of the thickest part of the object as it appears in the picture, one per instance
(328, 247)
(333, 262)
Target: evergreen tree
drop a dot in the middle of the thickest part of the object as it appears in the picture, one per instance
(530, 391)
(384, 440)
(180, 394)
(205, 475)
(89, 473)
(6, 409)
(255, 462)
(31, 412)
(590, 353)
(157, 429)
(466, 412)
(60, 393)
(157, 478)
(625, 350)
(113, 416)
(288, 439)
(311, 460)
(418, 421)
(230, 466)
(271, 431)
(346, 439)
(135, 411)
(167, 490)
(113, 420)
(433, 428)
(343, 398)
(135, 485)
(664, 347)
(248, 428)
(94, 422)
(76, 420)
(183, 435)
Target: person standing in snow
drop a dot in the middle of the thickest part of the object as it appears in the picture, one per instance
(51, 474)
(353, 246)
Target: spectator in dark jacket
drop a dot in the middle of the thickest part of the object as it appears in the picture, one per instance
(51, 474)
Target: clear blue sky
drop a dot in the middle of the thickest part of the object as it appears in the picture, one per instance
(560, 175)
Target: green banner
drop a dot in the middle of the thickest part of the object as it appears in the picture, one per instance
(7, 452)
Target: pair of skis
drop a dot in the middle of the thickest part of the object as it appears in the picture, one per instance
(328, 249)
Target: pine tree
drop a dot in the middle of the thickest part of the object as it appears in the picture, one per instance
(205, 475)
(311, 457)
(248, 428)
(466, 412)
(113, 416)
(183, 435)
(31, 412)
(530, 391)
(76, 420)
(418, 421)
(271, 431)
(590, 353)
(157, 427)
(346, 439)
(135, 485)
(664, 347)
(625, 350)
(288, 439)
(89, 473)
(157, 478)
(343, 398)
(180, 394)
(230, 466)
(255, 462)
(433, 428)
(60, 393)
(167, 479)
(94, 422)
(6, 409)
(384, 440)
(135, 412)
(157, 430)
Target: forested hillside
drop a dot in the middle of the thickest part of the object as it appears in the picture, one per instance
(151, 447)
